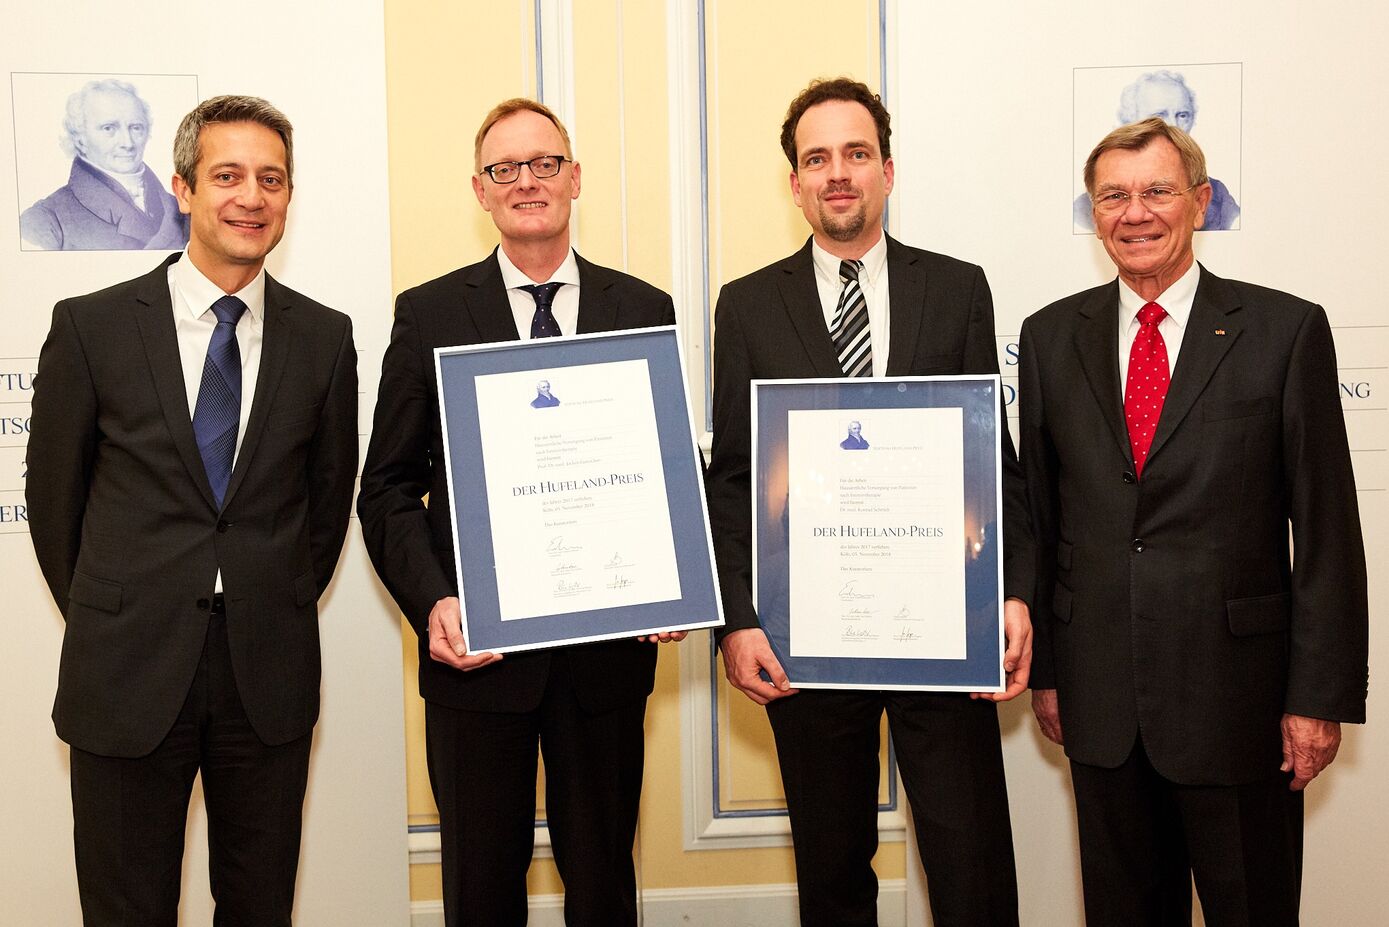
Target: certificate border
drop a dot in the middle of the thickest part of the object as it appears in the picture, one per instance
(871, 672)
(483, 628)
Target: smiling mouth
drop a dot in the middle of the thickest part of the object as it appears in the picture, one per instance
(1140, 239)
(533, 205)
(244, 224)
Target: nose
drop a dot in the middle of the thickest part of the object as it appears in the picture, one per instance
(1136, 210)
(124, 137)
(249, 195)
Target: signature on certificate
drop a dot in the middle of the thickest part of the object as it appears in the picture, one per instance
(906, 636)
(619, 582)
(849, 592)
(556, 546)
(568, 587)
(858, 634)
(615, 561)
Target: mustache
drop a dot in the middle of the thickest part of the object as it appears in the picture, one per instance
(838, 186)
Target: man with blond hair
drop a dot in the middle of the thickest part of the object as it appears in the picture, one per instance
(1175, 427)
(582, 706)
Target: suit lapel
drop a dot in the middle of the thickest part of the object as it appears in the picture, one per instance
(597, 305)
(801, 298)
(154, 313)
(906, 288)
(275, 349)
(1097, 348)
(1209, 336)
(486, 300)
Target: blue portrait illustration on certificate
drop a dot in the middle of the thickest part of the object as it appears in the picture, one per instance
(854, 441)
(544, 399)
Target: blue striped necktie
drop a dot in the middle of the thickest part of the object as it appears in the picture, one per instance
(217, 414)
(850, 327)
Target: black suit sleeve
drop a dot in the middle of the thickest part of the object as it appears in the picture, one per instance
(729, 478)
(398, 473)
(981, 356)
(1327, 672)
(332, 464)
(62, 448)
(1040, 468)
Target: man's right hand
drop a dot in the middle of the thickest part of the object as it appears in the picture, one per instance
(745, 654)
(1048, 712)
(446, 642)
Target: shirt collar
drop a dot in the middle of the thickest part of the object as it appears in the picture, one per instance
(513, 278)
(1176, 300)
(874, 261)
(199, 293)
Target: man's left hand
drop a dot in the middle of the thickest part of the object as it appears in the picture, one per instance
(1309, 746)
(1017, 659)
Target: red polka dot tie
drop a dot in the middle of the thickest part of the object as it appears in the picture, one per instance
(1147, 384)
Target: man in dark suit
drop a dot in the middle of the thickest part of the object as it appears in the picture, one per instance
(189, 489)
(804, 316)
(1196, 674)
(484, 716)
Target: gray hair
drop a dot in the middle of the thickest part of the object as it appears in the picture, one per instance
(1140, 135)
(75, 119)
(223, 109)
(1128, 98)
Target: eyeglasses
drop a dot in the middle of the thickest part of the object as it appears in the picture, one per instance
(1155, 199)
(510, 171)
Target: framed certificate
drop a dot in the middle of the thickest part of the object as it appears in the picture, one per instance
(877, 536)
(577, 496)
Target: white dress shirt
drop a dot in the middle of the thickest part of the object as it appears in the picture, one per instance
(872, 280)
(565, 307)
(134, 184)
(1177, 300)
(193, 295)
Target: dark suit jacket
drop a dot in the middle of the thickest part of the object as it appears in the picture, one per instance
(92, 212)
(1171, 604)
(130, 540)
(770, 325)
(411, 543)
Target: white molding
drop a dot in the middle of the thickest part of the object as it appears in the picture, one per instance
(725, 905)
(687, 271)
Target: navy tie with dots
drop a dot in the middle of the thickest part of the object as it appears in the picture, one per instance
(1146, 389)
(217, 415)
(543, 324)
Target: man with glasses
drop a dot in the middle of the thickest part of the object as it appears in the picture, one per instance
(583, 706)
(854, 302)
(1174, 424)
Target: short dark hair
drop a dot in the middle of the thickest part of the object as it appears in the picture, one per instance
(188, 148)
(839, 88)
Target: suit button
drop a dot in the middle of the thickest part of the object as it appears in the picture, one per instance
(222, 526)
(204, 605)
(1137, 545)
(1129, 477)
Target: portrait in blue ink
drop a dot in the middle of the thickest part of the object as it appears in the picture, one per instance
(1169, 93)
(854, 441)
(110, 199)
(544, 399)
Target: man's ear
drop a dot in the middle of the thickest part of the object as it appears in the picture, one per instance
(182, 192)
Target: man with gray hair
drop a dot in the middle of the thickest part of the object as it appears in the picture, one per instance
(1181, 437)
(1165, 94)
(191, 464)
(112, 200)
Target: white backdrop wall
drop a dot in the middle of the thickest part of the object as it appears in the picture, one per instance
(327, 74)
(988, 100)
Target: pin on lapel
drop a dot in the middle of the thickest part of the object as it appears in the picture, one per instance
(1220, 331)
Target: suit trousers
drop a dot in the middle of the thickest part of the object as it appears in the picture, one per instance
(129, 815)
(482, 767)
(947, 746)
(1143, 837)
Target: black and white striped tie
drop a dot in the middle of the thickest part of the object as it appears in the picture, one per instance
(850, 328)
